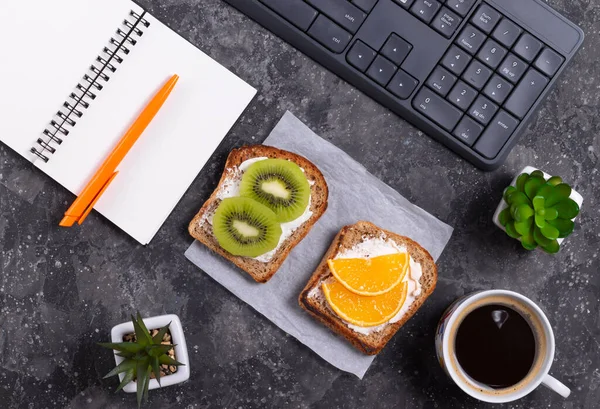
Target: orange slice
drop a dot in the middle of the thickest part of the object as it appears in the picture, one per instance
(370, 276)
(361, 310)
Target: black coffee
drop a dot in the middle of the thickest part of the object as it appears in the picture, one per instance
(495, 346)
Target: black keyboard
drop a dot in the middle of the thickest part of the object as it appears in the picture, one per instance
(469, 73)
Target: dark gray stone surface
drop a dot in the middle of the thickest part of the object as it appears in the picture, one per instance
(62, 290)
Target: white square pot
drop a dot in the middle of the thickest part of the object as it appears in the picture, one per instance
(528, 169)
(177, 338)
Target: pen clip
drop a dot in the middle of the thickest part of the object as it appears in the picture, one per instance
(96, 198)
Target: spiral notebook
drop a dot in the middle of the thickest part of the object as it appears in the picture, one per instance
(76, 73)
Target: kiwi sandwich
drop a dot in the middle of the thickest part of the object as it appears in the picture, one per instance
(266, 202)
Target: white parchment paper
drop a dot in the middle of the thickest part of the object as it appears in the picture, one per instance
(354, 194)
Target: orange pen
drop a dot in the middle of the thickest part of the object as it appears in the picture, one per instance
(90, 195)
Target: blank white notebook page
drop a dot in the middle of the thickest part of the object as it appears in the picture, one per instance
(206, 102)
(46, 48)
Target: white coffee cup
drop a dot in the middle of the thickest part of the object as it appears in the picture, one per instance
(544, 337)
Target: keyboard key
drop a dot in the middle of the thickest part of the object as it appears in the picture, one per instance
(402, 85)
(446, 22)
(405, 3)
(365, 5)
(468, 131)
(483, 110)
(507, 33)
(329, 34)
(486, 18)
(425, 9)
(441, 81)
(527, 47)
(491, 53)
(396, 49)
(512, 68)
(296, 12)
(361, 56)
(436, 109)
(477, 74)
(382, 70)
(456, 60)
(471, 39)
(462, 7)
(462, 95)
(497, 89)
(496, 135)
(549, 62)
(527, 92)
(342, 12)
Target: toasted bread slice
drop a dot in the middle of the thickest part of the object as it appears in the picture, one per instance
(348, 237)
(260, 271)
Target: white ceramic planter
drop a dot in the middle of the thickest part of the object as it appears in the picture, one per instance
(177, 338)
(528, 169)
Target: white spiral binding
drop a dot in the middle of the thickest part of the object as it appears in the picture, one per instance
(86, 91)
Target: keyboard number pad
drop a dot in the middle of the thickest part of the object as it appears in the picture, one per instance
(491, 53)
(483, 110)
(489, 80)
(456, 60)
(497, 89)
(441, 81)
(512, 68)
(477, 74)
(462, 95)
(471, 39)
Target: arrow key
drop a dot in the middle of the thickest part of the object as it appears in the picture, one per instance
(361, 56)
(402, 85)
(382, 70)
(396, 49)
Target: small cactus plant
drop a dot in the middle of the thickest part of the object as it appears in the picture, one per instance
(142, 358)
(539, 211)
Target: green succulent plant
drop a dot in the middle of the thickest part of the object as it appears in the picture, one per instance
(539, 211)
(142, 358)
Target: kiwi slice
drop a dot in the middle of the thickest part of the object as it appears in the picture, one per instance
(245, 227)
(278, 184)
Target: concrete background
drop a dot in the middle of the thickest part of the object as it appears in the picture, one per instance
(62, 290)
